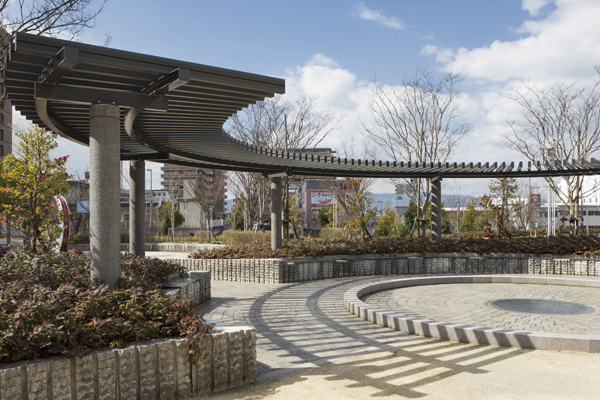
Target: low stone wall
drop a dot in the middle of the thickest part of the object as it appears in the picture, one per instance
(454, 330)
(261, 270)
(306, 269)
(195, 286)
(175, 247)
(151, 370)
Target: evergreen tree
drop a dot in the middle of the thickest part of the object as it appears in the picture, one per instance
(29, 182)
(470, 222)
(235, 218)
(325, 216)
(166, 218)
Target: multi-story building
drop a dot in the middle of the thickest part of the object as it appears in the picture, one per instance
(315, 194)
(189, 186)
(402, 198)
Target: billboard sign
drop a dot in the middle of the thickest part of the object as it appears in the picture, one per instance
(401, 200)
(322, 199)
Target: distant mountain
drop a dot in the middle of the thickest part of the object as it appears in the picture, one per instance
(380, 199)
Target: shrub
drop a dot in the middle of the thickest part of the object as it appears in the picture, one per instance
(48, 307)
(238, 238)
(79, 238)
(332, 233)
(308, 248)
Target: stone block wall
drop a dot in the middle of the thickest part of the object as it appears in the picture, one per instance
(298, 270)
(158, 369)
(238, 270)
(195, 286)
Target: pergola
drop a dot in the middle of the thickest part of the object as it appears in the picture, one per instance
(136, 107)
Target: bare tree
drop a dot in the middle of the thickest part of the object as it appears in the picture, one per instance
(460, 202)
(253, 190)
(523, 208)
(285, 125)
(417, 121)
(49, 17)
(174, 185)
(561, 122)
(208, 194)
(79, 190)
(352, 194)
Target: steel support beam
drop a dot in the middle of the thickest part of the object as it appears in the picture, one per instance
(59, 65)
(276, 223)
(436, 209)
(84, 95)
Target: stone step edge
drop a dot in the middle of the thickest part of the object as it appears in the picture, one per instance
(465, 333)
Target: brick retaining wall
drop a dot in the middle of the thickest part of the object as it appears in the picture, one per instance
(158, 369)
(305, 269)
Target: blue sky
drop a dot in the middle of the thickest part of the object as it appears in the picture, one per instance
(336, 48)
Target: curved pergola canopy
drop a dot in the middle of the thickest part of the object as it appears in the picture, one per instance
(173, 112)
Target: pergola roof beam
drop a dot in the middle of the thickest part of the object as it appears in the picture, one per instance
(190, 131)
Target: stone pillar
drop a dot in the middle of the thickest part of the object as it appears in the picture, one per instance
(105, 213)
(436, 210)
(137, 207)
(276, 226)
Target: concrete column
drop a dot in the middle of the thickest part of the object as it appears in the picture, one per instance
(436, 210)
(105, 213)
(276, 225)
(137, 207)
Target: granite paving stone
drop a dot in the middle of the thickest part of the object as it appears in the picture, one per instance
(465, 303)
(306, 321)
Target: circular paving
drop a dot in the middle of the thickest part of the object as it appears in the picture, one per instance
(543, 313)
(540, 306)
(468, 304)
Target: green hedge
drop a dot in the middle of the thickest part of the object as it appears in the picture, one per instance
(48, 307)
(560, 245)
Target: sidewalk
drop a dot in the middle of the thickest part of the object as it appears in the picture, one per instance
(432, 369)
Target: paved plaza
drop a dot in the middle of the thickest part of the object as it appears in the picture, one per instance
(465, 304)
(296, 322)
(306, 322)
(309, 346)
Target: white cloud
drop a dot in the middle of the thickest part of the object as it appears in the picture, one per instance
(534, 6)
(321, 76)
(442, 56)
(363, 12)
(563, 46)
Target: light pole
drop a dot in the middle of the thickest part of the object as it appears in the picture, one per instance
(551, 156)
(151, 202)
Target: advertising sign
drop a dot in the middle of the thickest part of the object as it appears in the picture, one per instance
(536, 199)
(322, 199)
(401, 200)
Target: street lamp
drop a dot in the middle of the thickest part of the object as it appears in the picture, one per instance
(151, 202)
